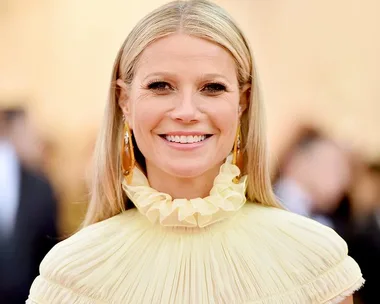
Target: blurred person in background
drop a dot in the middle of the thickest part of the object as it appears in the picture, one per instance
(317, 179)
(314, 177)
(28, 207)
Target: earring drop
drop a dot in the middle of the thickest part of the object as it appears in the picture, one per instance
(237, 157)
(127, 154)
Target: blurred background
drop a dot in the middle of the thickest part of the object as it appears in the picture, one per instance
(319, 67)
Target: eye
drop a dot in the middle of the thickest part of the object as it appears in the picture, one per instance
(159, 86)
(214, 88)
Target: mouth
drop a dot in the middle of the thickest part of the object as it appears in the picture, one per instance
(185, 139)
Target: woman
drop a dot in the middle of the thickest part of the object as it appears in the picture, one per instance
(183, 141)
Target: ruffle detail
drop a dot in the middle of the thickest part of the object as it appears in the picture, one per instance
(226, 197)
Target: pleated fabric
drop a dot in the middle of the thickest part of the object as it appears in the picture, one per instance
(219, 249)
(260, 255)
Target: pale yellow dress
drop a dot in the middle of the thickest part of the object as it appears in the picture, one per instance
(220, 249)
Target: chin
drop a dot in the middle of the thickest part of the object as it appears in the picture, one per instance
(189, 169)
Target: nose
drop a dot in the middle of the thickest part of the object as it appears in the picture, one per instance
(185, 109)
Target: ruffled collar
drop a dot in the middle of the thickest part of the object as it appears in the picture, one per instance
(226, 197)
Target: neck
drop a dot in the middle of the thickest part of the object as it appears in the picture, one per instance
(177, 187)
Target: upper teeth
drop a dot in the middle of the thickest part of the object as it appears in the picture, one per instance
(185, 139)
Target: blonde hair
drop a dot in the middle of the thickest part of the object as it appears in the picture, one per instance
(202, 19)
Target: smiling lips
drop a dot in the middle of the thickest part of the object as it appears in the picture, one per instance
(185, 139)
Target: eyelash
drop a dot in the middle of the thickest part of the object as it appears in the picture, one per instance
(161, 86)
(215, 87)
(157, 85)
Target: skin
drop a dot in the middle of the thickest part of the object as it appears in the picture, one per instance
(348, 300)
(184, 84)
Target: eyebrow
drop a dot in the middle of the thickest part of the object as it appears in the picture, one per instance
(159, 74)
(200, 78)
(214, 75)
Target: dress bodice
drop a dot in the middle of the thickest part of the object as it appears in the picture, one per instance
(219, 249)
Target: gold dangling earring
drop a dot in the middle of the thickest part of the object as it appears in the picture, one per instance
(237, 157)
(127, 155)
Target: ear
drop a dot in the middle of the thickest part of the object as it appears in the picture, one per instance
(245, 95)
(123, 100)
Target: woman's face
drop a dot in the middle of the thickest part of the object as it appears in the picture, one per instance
(183, 105)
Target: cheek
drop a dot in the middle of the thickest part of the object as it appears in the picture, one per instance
(225, 122)
(146, 113)
(224, 116)
(144, 119)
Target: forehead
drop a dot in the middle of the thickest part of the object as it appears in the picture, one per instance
(184, 53)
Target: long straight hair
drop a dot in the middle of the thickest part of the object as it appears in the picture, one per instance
(198, 18)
